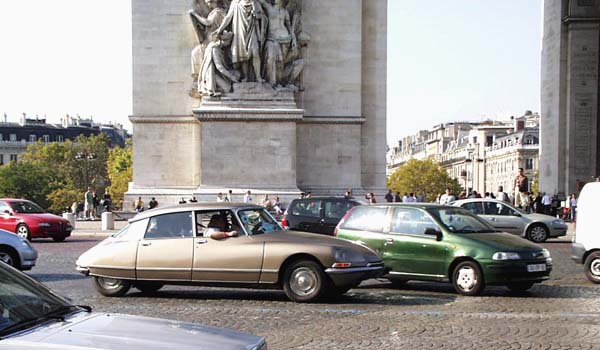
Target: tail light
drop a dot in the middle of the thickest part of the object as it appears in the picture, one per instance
(285, 223)
(335, 232)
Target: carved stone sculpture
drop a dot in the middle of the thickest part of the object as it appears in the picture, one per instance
(215, 77)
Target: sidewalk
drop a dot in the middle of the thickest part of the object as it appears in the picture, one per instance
(94, 228)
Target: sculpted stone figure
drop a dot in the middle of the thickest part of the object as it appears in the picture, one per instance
(279, 38)
(248, 24)
(215, 77)
(204, 28)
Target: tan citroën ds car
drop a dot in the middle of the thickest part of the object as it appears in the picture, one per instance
(174, 246)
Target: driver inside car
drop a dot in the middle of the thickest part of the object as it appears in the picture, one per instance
(217, 228)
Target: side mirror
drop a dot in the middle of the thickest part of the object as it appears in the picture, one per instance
(7, 212)
(517, 214)
(433, 232)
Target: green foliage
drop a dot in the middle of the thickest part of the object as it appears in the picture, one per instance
(535, 187)
(120, 172)
(422, 177)
(25, 180)
(62, 199)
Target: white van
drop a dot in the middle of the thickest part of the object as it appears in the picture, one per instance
(586, 241)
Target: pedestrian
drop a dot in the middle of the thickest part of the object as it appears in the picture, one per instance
(229, 196)
(502, 196)
(347, 195)
(96, 201)
(547, 203)
(88, 204)
(521, 188)
(153, 203)
(397, 197)
(447, 197)
(389, 197)
(220, 198)
(573, 202)
(405, 197)
(193, 200)
(277, 206)
(411, 198)
(248, 197)
(538, 207)
(266, 202)
(182, 201)
(371, 198)
(138, 205)
(302, 195)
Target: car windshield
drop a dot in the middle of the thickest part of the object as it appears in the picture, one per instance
(258, 221)
(25, 303)
(26, 207)
(458, 220)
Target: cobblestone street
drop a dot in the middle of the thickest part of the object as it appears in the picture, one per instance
(562, 313)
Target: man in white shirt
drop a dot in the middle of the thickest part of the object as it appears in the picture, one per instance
(248, 197)
(447, 197)
(546, 203)
(216, 228)
(502, 196)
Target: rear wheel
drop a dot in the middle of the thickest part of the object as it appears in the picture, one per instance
(537, 233)
(304, 281)
(111, 287)
(23, 231)
(148, 287)
(592, 267)
(467, 278)
(9, 257)
(520, 287)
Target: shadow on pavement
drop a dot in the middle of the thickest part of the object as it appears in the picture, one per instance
(56, 277)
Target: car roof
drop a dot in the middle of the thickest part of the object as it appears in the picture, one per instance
(468, 200)
(194, 206)
(421, 205)
(326, 197)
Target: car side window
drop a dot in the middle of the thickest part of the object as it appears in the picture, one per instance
(411, 221)
(501, 209)
(367, 219)
(337, 209)
(203, 220)
(307, 207)
(173, 225)
(474, 207)
(4, 207)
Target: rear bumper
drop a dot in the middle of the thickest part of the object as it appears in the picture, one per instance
(577, 252)
(352, 276)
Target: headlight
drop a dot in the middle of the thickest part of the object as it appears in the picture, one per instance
(44, 224)
(506, 256)
(546, 253)
(348, 256)
(558, 222)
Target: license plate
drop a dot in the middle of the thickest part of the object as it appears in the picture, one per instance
(536, 268)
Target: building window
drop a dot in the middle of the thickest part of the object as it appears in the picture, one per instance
(14, 157)
(529, 163)
(46, 138)
(13, 137)
(32, 138)
(59, 138)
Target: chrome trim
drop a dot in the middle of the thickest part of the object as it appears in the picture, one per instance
(111, 267)
(353, 269)
(164, 269)
(414, 274)
(270, 271)
(226, 270)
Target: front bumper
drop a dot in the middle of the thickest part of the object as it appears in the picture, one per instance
(84, 270)
(558, 230)
(28, 258)
(352, 276)
(577, 252)
(503, 272)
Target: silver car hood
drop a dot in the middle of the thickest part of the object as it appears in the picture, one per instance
(97, 331)
(540, 217)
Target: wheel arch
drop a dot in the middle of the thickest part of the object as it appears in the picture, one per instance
(457, 261)
(588, 253)
(292, 259)
(14, 252)
(536, 223)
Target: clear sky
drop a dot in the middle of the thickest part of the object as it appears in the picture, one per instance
(447, 60)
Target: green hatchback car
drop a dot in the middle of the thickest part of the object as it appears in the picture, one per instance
(430, 242)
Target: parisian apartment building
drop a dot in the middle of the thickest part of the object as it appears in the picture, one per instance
(16, 136)
(481, 155)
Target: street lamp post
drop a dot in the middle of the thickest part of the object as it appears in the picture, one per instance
(85, 157)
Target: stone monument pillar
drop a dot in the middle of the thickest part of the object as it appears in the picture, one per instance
(272, 96)
(569, 151)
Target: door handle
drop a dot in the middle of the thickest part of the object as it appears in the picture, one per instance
(389, 241)
(493, 219)
(145, 244)
(201, 241)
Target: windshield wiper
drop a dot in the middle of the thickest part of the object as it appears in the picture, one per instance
(57, 314)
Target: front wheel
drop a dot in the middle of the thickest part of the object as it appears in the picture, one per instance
(111, 287)
(592, 267)
(304, 281)
(9, 257)
(520, 287)
(467, 278)
(23, 232)
(537, 233)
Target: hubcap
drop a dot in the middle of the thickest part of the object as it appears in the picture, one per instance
(6, 258)
(109, 283)
(22, 232)
(538, 233)
(303, 281)
(466, 279)
(595, 267)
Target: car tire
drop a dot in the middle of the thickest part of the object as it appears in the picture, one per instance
(520, 287)
(23, 232)
(148, 287)
(59, 238)
(304, 281)
(9, 257)
(537, 233)
(111, 287)
(467, 278)
(592, 267)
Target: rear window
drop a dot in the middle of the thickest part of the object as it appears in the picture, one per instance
(306, 207)
(366, 219)
(337, 209)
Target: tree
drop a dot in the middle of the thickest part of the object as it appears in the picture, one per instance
(422, 177)
(120, 171)
(535, 186)
(25, 180)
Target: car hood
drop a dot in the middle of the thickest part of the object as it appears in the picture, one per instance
(43, 217)
(114, 331)
(540, 217)
(502, 241)
(321, 240)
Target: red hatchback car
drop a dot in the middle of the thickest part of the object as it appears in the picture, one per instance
(28, 220)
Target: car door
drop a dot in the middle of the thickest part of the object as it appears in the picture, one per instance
(503, 217)
(232, 259)
(408, 251)
(165, 252)
(333, 211)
